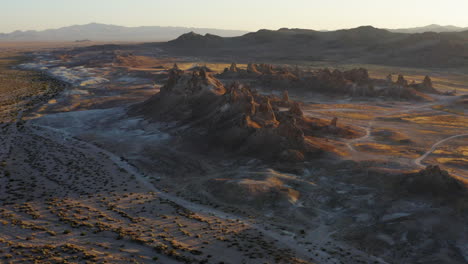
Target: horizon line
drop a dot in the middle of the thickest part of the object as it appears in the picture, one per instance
(188, 27)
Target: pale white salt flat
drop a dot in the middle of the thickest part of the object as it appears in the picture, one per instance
(108, 126)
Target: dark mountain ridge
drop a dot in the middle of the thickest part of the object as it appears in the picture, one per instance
(359, 45)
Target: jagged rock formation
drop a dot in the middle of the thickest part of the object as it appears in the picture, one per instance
(236, 117)
(354, 82)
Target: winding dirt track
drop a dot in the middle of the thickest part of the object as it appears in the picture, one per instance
(417, 161)
(368, 128)
(434, 147)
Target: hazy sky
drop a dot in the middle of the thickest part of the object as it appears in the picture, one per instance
(234, 14)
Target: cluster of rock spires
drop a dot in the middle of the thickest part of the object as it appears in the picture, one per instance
(238, 118)
(355, 82)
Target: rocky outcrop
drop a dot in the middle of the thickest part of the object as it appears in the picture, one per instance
(427, 82)
(196, 83)
(359, 76)
(296, 110)
(198, 68)
(265, 116)
(285, 96)
(401, 81)
(252, 69)
(233, 68)
(389, 79)
(426, 86)
(334, 122)
(354, 82)
(433, 181)
(235, 117)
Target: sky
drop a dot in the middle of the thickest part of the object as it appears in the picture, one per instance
(248, 15)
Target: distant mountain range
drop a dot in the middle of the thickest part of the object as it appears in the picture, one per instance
(430, 28)
(102, 32)
(358, 45)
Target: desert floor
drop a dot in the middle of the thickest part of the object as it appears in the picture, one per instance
(81, 181)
